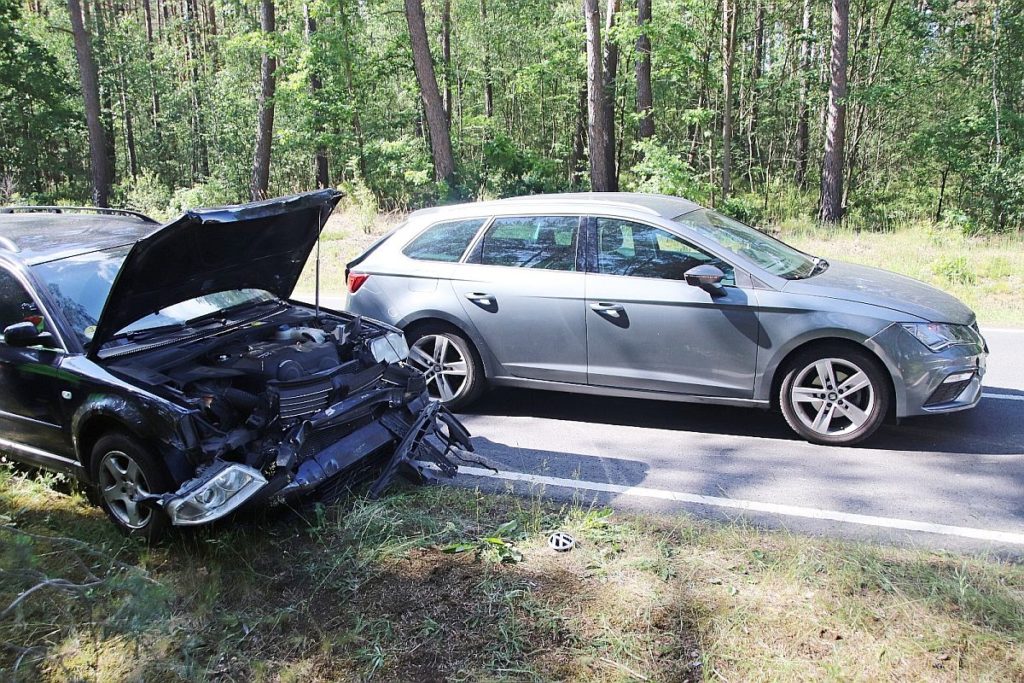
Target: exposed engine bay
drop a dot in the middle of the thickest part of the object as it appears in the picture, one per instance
(294, 402)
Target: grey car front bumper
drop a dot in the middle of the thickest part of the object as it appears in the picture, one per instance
(929, 382)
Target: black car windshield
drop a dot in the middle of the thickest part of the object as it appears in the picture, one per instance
(777, 257)
(80, 284)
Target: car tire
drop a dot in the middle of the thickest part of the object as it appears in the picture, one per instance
(122, 468)
(450, 363)
(835, 395)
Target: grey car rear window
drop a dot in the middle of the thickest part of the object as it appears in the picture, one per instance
(444, 241)
(544, 242)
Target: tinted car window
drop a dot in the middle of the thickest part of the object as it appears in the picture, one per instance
(16, 305)
(545, 242)
(444, 241)
(627, 248)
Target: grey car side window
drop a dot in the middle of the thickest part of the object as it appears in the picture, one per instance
(545, 242)
(444, 241)
(628, 248)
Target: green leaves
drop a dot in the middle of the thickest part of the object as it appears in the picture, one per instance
(499, 547)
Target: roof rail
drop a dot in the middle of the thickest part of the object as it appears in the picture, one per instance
(77, 209)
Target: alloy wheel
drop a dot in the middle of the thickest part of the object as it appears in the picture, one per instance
(444, 366)
(122, 484)
(833, 397)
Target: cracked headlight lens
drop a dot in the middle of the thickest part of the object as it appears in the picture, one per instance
(390, 348)
(220, 494)
(939, 336)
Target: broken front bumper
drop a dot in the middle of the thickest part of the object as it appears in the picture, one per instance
(423, 438)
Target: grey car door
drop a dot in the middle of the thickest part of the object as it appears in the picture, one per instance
(521, 288)
(648, 329)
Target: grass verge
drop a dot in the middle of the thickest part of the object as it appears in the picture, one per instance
(451, 584)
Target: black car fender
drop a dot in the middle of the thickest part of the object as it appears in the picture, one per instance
(167, 429)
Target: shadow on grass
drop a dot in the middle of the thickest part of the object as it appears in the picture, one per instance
(361, 589)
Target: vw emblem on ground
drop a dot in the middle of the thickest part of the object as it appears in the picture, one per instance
(561, 541)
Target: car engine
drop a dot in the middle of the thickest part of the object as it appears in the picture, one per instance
(301, 400)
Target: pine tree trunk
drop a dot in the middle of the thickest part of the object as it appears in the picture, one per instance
(106, 97)
(730, 13)
(129, 127)
(756, 71)
(644, 93)
(803, 114)
(437, 120)
(357, 125)
(101, 174)
(579, 140)
(835, 126)
(147, 9)
(321, 171)
(602, 150)
(861, 109)
(265, 117)
(488, 80)
(610, 69)
(446, 57)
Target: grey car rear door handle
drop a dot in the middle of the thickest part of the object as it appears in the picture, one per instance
(610, 309)
(480, 297)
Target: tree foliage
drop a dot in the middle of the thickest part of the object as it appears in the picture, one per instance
(934, 109)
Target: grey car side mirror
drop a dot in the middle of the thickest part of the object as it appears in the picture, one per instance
(707, 277)
(25, 334)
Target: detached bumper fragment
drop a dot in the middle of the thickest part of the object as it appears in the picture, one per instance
(434, 438)
(424, 439)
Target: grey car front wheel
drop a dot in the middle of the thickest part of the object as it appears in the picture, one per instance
(450, 366)
(835, 396)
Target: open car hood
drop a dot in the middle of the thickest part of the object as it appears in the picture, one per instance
(263, 245)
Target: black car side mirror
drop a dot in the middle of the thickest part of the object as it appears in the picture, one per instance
(707, 277)
(26, 334)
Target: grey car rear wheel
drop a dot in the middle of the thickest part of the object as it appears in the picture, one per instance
(835, 395)
(449, 364)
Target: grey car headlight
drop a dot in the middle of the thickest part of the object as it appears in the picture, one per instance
(390, 348)
(939, 336)
(222, 492)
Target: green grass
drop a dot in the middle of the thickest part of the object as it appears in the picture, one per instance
(374, 590)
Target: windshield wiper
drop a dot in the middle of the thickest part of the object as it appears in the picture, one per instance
(218, 316)
(222, 314)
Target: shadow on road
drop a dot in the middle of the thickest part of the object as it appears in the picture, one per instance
(995, 427)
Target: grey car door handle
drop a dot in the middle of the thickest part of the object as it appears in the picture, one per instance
(480, 297)
(614, 310)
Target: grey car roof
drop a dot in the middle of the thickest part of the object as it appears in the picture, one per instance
(40, 237)
(661, 205)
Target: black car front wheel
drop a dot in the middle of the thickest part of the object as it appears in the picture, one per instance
(835, 395)
(125, 472)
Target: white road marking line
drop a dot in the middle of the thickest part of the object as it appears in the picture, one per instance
(752, 506)
(1004, 397)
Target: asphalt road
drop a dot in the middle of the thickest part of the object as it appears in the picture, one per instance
(954, 481)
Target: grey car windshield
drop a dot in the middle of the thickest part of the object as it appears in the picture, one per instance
(80, 284)
(777, 257)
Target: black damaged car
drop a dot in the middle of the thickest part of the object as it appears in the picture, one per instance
(166, 368)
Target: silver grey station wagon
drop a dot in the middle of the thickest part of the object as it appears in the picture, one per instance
(656, 297)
